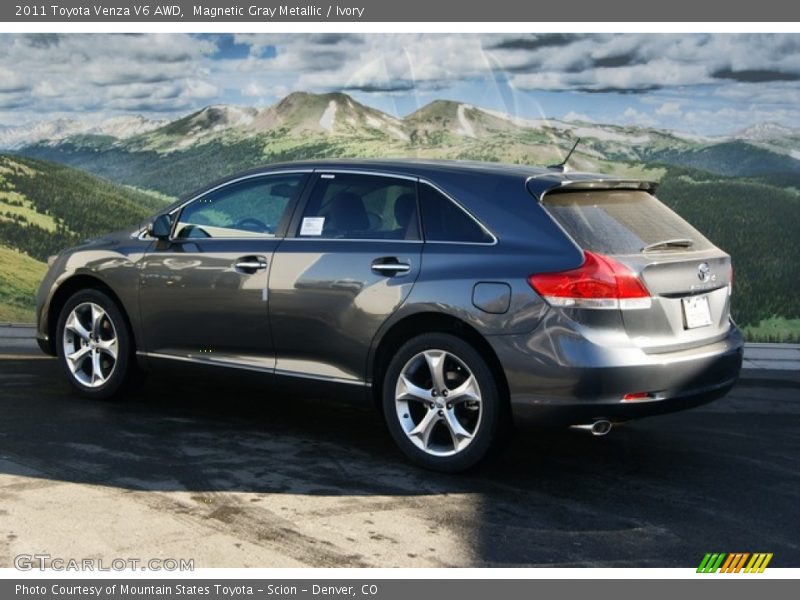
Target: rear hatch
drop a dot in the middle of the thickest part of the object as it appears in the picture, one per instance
(687, 277)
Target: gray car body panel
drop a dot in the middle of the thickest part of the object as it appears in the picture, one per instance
(326, 312)
(326, 304)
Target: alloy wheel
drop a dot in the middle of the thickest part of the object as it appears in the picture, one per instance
(90, 344)
(438, 402)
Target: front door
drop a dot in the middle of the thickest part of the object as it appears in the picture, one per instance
(203, 293)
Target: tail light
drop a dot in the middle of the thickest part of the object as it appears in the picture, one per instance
(637, 396)
(600, 282)
(730, 278)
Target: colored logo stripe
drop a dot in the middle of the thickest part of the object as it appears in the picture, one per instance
(711, 563)
(734, 562)
(758, 563)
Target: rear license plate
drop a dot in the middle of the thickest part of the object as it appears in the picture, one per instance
(696, 312)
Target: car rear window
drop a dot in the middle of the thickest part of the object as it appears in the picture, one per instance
(620, 221)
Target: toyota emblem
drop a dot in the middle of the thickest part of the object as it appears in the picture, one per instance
(703, 272)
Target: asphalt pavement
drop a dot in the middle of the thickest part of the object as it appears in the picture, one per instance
(231, 477)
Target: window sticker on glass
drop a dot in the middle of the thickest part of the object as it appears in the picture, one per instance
(312, 226)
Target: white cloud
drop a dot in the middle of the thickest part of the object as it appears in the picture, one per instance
(104, 73)
(669, 109)
(198, 88)
(577, 116)
(12, 81)
(736, 118)
(632, 116)
(254, 90)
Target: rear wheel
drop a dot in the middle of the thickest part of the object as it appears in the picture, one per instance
(95, 345)
(441, 402)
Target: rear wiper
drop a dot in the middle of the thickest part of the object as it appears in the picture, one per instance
(676, 243)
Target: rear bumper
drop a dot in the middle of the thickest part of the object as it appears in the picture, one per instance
(567, 379)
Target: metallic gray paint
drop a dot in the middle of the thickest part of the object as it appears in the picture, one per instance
(195, 303)
(326, 303)
(578, 369)
(492, 297)
(319, 311)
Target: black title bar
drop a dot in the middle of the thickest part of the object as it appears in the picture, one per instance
(406, 11)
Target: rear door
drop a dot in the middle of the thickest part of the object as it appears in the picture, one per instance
(349, 260)
(687, 276)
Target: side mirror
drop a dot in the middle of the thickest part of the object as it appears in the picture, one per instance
(161, 227)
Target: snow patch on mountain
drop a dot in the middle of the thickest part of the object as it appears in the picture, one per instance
(398, 133)
(607, 135)
(375, 122)
(765, 131)
(126, 126)
(696, 137)
(518, 121)
(57, 130)
(465, 127)
(328, 117)
(390, 125)
(239, 117)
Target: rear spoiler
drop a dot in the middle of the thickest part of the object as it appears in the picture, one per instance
(545, 184)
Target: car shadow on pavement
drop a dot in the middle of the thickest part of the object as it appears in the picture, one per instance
(658, 493)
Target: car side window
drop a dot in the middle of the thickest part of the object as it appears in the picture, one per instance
(357, 207)
(250, 208)
(444, 221)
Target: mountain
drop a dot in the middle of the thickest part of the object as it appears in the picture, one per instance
(53, 132)
(186, 153)
(196, 128)
(461, 121)
(335, 114)
(299, 115)
(765, 132)
(214, 141)
(748, 181)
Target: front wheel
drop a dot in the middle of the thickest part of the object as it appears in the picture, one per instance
(441, 402)
(95, 345)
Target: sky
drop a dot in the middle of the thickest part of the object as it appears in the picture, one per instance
(707, 84)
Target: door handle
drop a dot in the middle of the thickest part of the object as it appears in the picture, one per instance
(390, 266)
(250, 263)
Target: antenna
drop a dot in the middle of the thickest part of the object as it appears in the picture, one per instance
(562, 166)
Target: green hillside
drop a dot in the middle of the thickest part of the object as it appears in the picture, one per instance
(732, 159)
(757, 224)
(177, 173)
(174, 174)
(19, 277)
(45, 207)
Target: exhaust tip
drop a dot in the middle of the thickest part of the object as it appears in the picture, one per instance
(601, 427)
(598, 428)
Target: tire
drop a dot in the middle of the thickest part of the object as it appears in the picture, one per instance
(92, 326)
(447, 432)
